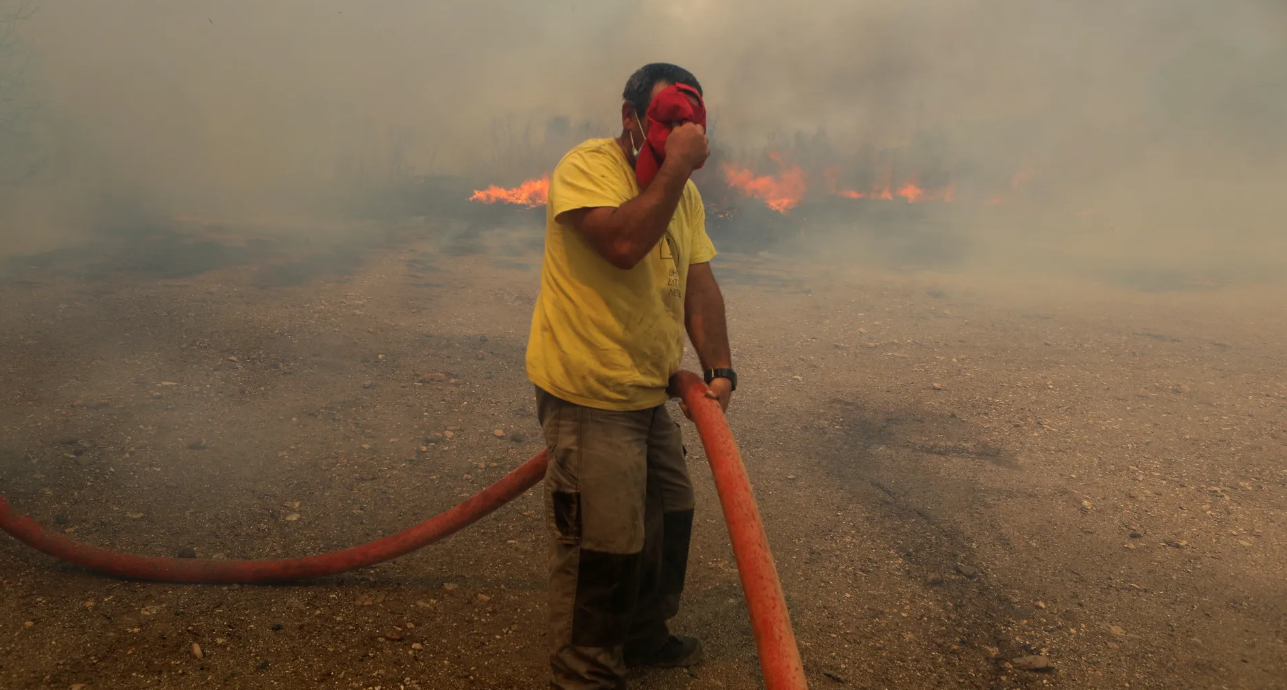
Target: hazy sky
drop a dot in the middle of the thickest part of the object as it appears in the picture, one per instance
(1167, 114)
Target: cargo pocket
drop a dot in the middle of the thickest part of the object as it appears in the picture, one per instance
(562, 477)
(565, 508)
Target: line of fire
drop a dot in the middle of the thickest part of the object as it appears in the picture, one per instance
(790, 184)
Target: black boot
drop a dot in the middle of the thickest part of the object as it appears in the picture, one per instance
(677, 652)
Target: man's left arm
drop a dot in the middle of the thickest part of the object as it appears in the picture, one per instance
(704, 319)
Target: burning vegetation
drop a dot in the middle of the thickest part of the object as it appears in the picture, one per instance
(790, 173)
(781, 191)
(531, 193)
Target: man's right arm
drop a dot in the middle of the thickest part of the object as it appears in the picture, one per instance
(625, 234)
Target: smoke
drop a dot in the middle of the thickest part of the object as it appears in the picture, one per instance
(1146, 132)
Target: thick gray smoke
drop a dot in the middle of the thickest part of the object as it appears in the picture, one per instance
(1142, 131)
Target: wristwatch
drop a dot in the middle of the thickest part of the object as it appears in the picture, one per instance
(712, 374)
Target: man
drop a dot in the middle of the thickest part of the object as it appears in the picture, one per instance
(626, 270)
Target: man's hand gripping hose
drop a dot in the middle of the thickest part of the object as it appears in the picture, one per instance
(774, 639)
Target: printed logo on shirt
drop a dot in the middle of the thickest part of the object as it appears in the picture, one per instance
(670, 252)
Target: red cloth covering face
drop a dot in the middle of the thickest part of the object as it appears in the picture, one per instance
(670, 106)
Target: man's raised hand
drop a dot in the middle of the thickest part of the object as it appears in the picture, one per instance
(687, 146)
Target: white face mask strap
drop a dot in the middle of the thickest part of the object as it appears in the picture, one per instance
(635, 148)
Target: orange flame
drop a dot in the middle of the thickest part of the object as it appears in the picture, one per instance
(911, 192)
(1022, 177)
(531, 193)
(780, 193)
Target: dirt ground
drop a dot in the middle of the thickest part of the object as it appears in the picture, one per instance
(954, 474)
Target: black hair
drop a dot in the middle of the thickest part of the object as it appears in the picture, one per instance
(638, 92)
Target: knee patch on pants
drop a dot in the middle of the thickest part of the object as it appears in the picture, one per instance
(606, 590)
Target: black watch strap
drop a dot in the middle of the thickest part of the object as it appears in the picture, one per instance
(712, 374)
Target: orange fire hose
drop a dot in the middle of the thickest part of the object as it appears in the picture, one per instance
(774, 639)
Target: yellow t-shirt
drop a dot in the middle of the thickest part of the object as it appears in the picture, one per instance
(601, 336)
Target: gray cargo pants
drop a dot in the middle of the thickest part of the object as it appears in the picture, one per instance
(620, 506)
